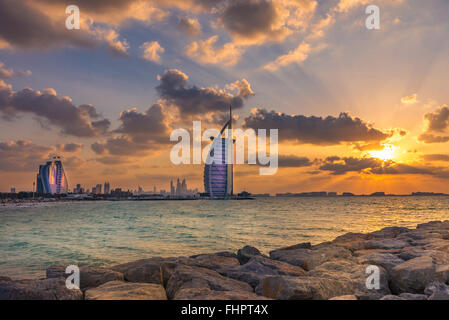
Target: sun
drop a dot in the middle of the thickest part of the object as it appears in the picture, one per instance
(388, 153)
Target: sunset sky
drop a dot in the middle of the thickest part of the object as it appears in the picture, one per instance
(357, 110)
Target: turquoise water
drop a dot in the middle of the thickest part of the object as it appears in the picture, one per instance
(106, 233)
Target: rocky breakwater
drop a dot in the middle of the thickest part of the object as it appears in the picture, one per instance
(412, 264)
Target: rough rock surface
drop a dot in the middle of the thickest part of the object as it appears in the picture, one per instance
(120, 290)
(310, 258)
(208, 294)
(89, 277)
(42, 289)
(246, 253)
(195, 277)
(258, 267)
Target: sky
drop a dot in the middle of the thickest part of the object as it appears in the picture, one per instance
(358, 110)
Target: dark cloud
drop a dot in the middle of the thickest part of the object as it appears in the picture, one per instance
(140, 133)
(192, 100)
(339, 166)
(69, 147)
(437, 123)
(315, 130)
(291, 161)
(253, 21)
(52, 109)
(25, 27)
(189, 26)
(22, 155)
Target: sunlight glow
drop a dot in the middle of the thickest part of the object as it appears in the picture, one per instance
(388, 152)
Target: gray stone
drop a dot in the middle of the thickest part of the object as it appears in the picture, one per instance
(413, 275)
(391, 297)
(120, 290)
(434, 225)
(309, 259)
(208, 294)
(437, 291)
(354, 275)
(42, 289)
(210, 261)
(153, 270)
(258, 267)
(302, 288)
(195, 277)
(89, 277)
(386, 260)
(386, 244)
(412, 296)
(352, 241)
(246, 253)
(390, 232)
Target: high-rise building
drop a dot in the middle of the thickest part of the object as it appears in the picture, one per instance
(172, 188)
(51, 178)
(107, 188)
(98, 189)
(219, 167)
(13, 190)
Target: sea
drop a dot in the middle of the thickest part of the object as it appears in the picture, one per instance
(104, 233)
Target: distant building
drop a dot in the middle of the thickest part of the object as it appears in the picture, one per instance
(51, 178)
(13, 190)
(98, 189)
(107, 188)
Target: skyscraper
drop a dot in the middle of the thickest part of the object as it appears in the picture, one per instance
(51, 178)
(219, 168)
(107, 188)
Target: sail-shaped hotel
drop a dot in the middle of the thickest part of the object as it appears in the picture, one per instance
(51, 178)
(219, 168)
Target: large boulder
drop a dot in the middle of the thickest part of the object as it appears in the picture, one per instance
(208, 294)
(390, 232)
(352, 241)
(439, 225)
(385, 260)
(386, 244)
(354, 275)
(413, 275)
(153, 270)
(308, 259)
(258, 267)
(437, 291)
(195, 277)
(42, 289)
(302, 288)
(89, 277)
(246, 253)
(211, 261)
(413, 296)
(120, 290)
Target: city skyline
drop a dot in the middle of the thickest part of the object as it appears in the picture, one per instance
(357, 110)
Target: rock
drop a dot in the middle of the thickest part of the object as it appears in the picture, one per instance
(347, 297)
(386, 244)
(153, 270)
(42, 289)
(413, 275)
(412, 296)
(391, 297)
(309, 259)
(120, 290)
(437, 291)
(258, 267)
(210, 261)
(386, 260)
(208, 294)
(354, 275)
(411, 253)
(246, 253)
(302, 288)
(419, 235)
(195, 277)
(89, 277)
(434, 225)
(390, 232)
(303, 245)
(352, 241)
